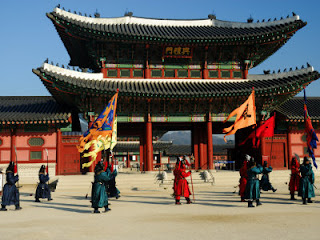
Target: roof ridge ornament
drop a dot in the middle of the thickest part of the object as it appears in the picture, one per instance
(96, 14)
(128, 14)
(212, 16)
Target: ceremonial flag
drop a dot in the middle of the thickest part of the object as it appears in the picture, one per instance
(265, 130)
(100, 133)
(113, 141)
(246, 116)
(312, 138)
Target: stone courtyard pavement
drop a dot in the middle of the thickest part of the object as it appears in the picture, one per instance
(147, 211)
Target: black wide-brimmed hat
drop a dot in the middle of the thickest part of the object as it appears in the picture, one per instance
(42, 169)
(10, 167)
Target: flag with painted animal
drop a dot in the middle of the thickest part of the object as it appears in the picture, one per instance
(312, 138)
(246, 116)
(99, 135)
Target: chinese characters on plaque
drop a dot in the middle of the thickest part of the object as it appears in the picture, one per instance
(178, 52)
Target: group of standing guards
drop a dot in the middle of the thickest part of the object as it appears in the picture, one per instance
(104, 185)
(301, 180)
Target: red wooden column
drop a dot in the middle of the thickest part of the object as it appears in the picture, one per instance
(58, 153)
(147, 69)
(210, 145)
(195, 143)
(205, 73)
(13, 143)
(141, 149)
(289, 135)
(202, 152)
(149, 146)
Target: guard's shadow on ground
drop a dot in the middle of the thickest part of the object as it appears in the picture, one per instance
(64, 208)
(45, 202)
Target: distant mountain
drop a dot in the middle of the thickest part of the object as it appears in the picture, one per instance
(184, 138)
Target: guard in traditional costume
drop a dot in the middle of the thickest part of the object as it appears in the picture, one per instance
(252, 192)
(243, 178)
(111, 188)
(99, 197)
(306, 190)
(10, 192)
(180, 185)
(294, 178)
(43, 190)
(265, 183)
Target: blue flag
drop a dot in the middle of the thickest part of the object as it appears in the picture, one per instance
(312, 138)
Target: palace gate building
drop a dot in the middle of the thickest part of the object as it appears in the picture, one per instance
(175, 75)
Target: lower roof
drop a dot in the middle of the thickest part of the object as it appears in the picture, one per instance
(70, 82)
(32, 110)
(293, 109)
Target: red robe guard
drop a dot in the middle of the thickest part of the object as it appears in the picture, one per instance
(180, 185)
(295, 177)
(243, 180)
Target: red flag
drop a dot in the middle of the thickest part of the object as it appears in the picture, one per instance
(265, 130)
(47, 169)
(15, 169)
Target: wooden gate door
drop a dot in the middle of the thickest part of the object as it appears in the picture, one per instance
(278, 159)
(70, 157)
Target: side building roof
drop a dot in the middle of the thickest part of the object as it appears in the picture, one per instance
(32, 110)
(293, 109)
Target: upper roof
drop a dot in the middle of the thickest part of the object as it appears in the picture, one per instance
(32, 110)
(82, 36)
(156, 29)
(65, 80)
(293, 109)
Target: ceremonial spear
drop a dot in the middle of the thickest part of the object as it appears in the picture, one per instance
(15, 150)
(47, 162)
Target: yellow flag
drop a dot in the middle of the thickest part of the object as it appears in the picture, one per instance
(100, 144)
(113, 141)
(246, 116)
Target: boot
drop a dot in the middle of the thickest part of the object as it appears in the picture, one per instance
(250, 204)
(309, 200)
(18, 207)
(258, 202)
(304, 201)
(37, 200)
(178, 202)
(50, 199)
(96, 210)
(242, 199)
(106, 208)
(3, 208)
(292, 197)
(274, 189)
(188, 201)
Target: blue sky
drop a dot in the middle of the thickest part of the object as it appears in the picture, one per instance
(28, 37)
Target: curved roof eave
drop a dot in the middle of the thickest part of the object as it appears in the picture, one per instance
(171, 22)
